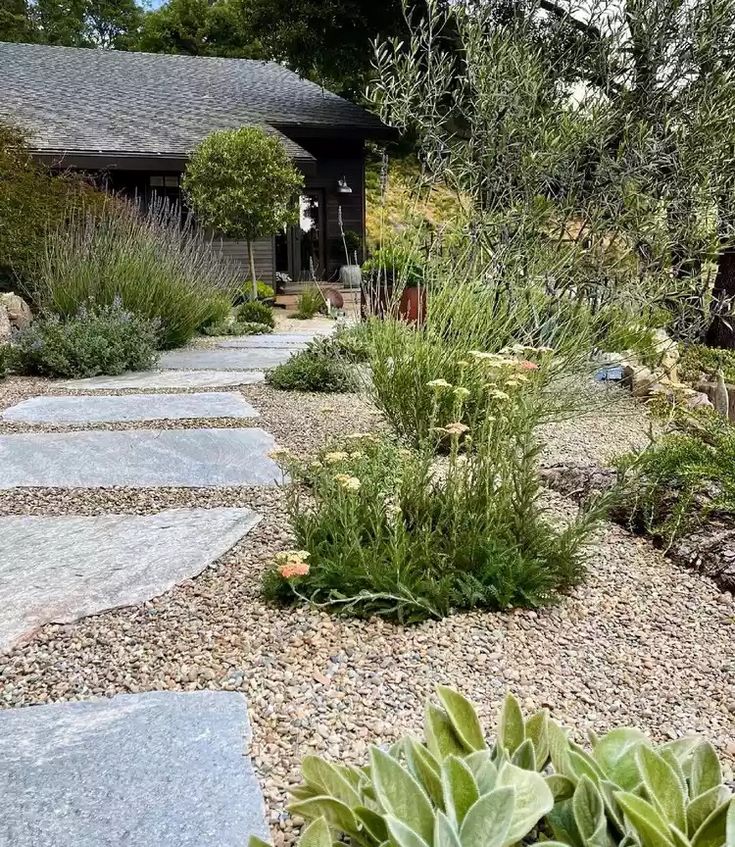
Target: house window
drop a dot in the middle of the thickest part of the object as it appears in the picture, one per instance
(166, 187)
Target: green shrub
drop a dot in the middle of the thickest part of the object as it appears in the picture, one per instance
(682, 479)
(32, 202)
(697, 360)
(312, 370)
(265, 292)
(389, 532)
(461, 319)
(395, 265)
(218, 312)
(310, 303)
(255, 312)
(154, 265)
(236, 328)
(532, 785)
(96, 340)
(352, 344)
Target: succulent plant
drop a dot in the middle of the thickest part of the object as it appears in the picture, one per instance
(533, 784)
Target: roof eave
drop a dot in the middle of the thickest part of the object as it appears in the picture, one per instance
(102, 160)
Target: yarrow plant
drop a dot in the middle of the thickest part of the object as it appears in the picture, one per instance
(405, 533)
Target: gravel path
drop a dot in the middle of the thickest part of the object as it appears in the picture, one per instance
(640, 642)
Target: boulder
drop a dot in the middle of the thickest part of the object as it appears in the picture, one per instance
(17, 310)
(642, 380)
(6, 328)
(668, 351)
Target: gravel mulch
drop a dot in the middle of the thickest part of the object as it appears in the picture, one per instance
(640, 642)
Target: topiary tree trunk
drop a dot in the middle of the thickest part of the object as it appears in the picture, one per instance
(251, 260)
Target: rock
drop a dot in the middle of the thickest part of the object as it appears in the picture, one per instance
(219, 358)
(721, 397)
(18, 311)
(63, 568)
(668, 351)
(130, 407)
(642, 381)
(181, 457)
(162, 769)
(710, 551)
(6, 328)
(697, 400)
(165, 379)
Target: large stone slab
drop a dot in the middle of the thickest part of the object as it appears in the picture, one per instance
(143, 380)
(162, 769)
(130, 407)
(224, 359)
(277, 340)
(141, 458)
(60, 569)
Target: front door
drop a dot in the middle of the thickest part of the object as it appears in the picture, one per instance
(306, 238)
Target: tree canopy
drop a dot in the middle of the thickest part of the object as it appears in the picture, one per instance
(241, 184)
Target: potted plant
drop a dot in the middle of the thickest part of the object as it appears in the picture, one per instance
(350, 275)
(393, 281)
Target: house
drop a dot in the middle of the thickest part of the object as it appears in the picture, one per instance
(133, 118)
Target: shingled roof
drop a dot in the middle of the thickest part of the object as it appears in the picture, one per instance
(105, 101)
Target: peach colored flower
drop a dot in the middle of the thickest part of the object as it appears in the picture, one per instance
(525, 365)
(293, 568)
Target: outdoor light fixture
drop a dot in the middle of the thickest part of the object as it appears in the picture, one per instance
(342, 187)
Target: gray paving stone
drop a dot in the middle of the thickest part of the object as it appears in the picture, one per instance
(161, 769)
(140, 458)
(130, 407)
(277, 340)
(60, 569)
(224, 359)
(164, 379)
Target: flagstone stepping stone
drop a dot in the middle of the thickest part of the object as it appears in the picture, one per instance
(277, 340)
(224, 359)
(60, 569)
(141, 458)
(130, 407)
(164, 379)
(161, 769)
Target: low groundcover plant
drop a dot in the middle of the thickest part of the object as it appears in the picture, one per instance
(95, 340)
(324, 366)
(394, 531)
(533, 785)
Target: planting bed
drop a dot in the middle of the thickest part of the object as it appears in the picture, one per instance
(640, 642)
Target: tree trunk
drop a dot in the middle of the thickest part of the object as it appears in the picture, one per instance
(251, 260)
(721, 332)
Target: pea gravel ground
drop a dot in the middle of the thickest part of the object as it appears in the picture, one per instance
(640, 642)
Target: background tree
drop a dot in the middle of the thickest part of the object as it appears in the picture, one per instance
(616, 136)
(200, 28)
(241, 184)
(326, 40)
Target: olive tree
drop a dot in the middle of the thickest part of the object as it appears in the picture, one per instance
(242, 184)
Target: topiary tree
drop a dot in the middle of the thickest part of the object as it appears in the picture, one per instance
(242, 184)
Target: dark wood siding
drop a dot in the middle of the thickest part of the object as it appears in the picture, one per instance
(265, 258)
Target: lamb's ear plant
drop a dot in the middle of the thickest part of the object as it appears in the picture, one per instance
(532, 785)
